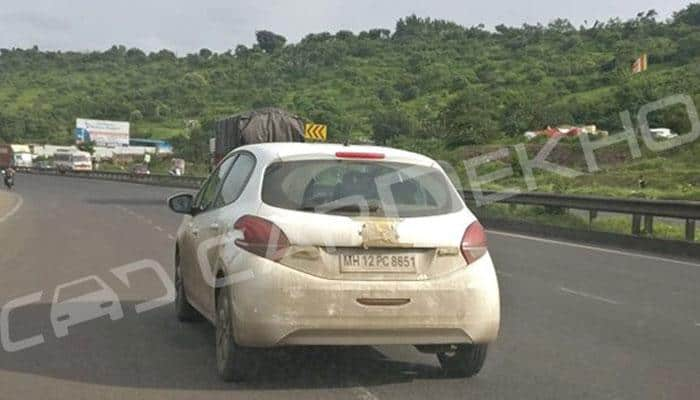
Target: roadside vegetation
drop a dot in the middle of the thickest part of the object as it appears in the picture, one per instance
(430, 86)
(673, 174)
(663, 228)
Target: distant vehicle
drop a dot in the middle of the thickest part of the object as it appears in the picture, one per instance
(178, 167)
(44, 165)
(6, 156)
(140, 170)
(8, 176)
(662, 133)
(23, 160)
(335, 245)
(69, 161)
(160, 146)
(265, 125)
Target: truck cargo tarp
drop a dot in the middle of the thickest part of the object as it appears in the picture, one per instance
(258, 126)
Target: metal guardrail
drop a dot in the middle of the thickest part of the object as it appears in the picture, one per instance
(187, 182)
(641, 210)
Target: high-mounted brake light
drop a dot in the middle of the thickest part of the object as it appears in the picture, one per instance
(261, 237)
(362, 155)
(474, 242)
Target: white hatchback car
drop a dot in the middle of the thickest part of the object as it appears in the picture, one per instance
(292, 244)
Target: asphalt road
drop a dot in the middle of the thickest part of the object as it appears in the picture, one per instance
(578, 322)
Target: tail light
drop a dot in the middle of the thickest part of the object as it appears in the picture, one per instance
(474, 242)
(261, 237)
(360, 155)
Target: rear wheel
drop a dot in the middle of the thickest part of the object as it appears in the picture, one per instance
(464, 360)
(184, 310)
(234, 363)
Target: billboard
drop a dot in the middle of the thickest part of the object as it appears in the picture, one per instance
(103, 133)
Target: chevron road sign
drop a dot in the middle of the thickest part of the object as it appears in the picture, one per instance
(316, 132)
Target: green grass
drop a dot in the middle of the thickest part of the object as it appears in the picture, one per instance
(158, 130)
(663, 229)
(674, 174)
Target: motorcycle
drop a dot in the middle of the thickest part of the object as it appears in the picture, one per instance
(9, 179)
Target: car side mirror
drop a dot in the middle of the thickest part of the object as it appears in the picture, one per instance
(181, 203)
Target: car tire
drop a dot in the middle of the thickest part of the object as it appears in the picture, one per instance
(465, 361)
(233, 362)
(184, 310)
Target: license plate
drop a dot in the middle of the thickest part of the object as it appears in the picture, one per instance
(363, 262)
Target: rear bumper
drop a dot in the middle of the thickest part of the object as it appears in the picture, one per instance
(275, 306)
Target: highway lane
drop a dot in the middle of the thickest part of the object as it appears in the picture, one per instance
(10, 203)
(578, 322)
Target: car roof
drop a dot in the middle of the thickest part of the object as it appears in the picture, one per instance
(288, 151)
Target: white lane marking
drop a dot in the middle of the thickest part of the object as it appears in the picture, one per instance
(363, 393)
(697, 324)
(158, 228)
(14, 209)
(140, 217)
(601, 249)
(504, 274)
(588, 296)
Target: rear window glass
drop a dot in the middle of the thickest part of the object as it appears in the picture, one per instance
(359, 188)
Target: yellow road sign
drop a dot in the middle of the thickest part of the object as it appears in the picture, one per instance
(316, 132)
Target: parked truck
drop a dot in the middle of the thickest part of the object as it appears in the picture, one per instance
(23, 160)
(258, 126)
(15, 155)
(6, 156)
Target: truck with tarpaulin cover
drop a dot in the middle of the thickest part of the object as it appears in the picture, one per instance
(258, 126)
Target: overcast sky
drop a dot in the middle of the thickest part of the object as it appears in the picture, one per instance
(188, 25)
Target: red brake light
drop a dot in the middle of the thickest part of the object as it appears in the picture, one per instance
(261, 237)
(474, 242)
(363, 155)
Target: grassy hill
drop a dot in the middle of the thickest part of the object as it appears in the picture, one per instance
(427, 85)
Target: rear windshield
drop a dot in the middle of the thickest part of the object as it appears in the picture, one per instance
(359, 188)
(80, 159)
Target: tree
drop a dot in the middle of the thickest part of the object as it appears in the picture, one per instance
(193, 147)
(163, 55)
(115, 52)
(205, 54)
(391, 123)
(344, 35)
(265, 98)
(689, 15)
(88, 147)
(136, 115)
(135, 56)
(379, 34)
(241, 51)
(317, 37)
(270, 42)
(470, 119)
